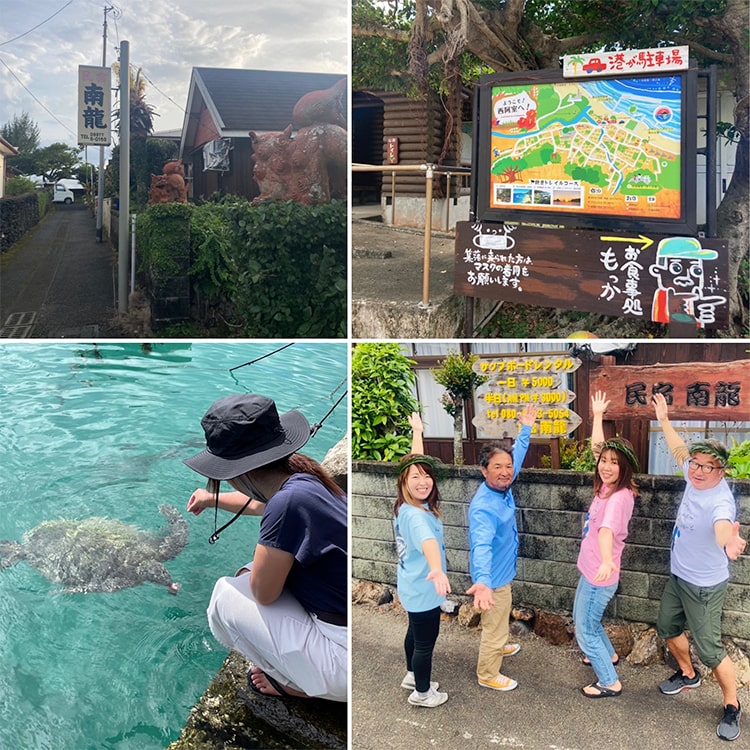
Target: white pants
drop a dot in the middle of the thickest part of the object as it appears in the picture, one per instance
(283, 639)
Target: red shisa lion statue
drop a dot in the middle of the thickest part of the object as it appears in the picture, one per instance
(308, 166)
(169, 186)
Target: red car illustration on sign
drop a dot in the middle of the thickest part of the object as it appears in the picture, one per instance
(594, 65)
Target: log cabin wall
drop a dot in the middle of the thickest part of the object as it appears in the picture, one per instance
(367, 145)
(418, 125)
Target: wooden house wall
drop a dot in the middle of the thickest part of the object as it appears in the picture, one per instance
(207, 130)
(237, 181)
(419, 125)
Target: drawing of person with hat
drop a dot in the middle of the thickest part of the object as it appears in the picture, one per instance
(286, 610)
(680, 276)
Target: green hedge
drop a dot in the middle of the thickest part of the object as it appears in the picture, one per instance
(279, 267)
(18, 214)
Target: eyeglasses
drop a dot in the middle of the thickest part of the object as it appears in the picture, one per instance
(705, 468)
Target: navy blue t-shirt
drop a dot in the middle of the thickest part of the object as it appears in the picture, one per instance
(306, 519)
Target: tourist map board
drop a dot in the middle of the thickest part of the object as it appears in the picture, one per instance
(605, 146)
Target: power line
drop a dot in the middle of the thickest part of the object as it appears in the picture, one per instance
(31, 94)
(38, 25)
(166, 96)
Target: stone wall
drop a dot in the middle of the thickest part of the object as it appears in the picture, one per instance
(551, 506)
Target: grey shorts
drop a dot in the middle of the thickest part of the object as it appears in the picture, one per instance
(697, 608)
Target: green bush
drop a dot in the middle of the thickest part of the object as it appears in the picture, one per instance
(19, 185)
(738, 463)
(163, 232)
(43, 201)
(574, 456)
(279, 267)
(213, 269)
(382, 400)
(289, 266)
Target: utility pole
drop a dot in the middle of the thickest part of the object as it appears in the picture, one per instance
(100, 186)
(124, 229)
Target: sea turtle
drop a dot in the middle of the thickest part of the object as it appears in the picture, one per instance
(100, 554)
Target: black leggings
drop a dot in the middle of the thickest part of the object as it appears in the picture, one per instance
(419, 643)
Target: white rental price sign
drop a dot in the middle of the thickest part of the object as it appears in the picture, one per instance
(94, 106)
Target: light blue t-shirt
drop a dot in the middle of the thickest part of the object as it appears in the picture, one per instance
(412, 527)
(696, 557)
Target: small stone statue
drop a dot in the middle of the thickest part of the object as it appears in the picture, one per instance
(169, 186)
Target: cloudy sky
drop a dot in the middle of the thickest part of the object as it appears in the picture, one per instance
(39, 66)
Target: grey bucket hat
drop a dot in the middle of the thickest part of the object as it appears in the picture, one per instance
(244, 432)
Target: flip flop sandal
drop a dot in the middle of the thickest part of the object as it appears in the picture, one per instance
(272, 682)
(604, 692)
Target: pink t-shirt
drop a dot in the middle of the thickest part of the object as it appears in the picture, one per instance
(613, 513)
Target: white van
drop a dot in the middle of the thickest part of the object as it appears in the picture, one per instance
(62, 194)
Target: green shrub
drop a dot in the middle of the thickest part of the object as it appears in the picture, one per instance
(43, 201)
(19, 185)
(212, 270)
(738, 463)
(280, 267)
(574, 456)
(382, 400)
(289, 266)
(163, 232)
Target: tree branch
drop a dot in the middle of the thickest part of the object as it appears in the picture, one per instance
(381, 32)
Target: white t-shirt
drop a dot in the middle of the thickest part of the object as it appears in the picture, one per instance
(696, 557)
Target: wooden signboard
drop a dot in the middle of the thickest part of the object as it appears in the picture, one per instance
(519, 380)
(632, 275)
(392, 149)
(716, 391)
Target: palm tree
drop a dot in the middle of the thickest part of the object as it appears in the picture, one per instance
(141, 126)
(575, 62)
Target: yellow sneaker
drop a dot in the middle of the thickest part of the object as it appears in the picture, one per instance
(501, 682)
(511, 649)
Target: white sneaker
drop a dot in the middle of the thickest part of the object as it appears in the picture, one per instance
(511, 649)
(408, 682)
(501, 682)
(431, 700)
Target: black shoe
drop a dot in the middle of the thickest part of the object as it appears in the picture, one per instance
(729, 726)
(678, 682)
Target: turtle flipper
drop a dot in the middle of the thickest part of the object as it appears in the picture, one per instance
(174, 534)
(10, 553)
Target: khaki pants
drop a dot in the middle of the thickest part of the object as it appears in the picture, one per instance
(495, 623)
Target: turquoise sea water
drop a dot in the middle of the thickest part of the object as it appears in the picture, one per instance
(101, 430)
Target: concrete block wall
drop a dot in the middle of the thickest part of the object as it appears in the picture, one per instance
(550, 510)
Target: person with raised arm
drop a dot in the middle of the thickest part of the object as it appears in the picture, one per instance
(604, 532)
(493, 539)
(422, 578)
(706, 536)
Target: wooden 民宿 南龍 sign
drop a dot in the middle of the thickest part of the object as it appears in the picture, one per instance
(712, 391)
